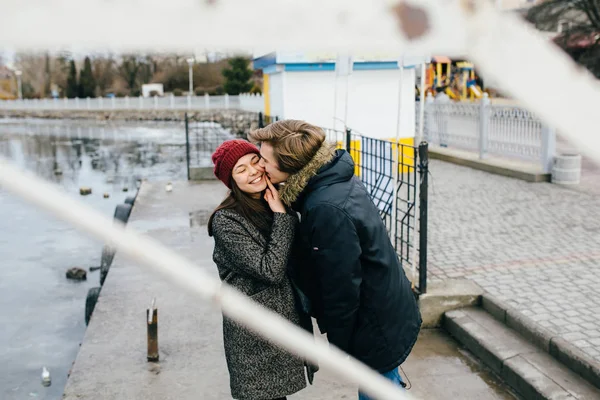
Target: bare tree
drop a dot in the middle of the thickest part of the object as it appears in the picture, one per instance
(137, 70)
(577, 23)
(42, 72)
(59, 70)
(34, 78)
(105, 73)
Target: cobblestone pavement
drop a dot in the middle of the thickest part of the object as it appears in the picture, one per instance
(535, 246)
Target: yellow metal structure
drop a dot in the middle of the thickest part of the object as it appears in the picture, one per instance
(266, 94)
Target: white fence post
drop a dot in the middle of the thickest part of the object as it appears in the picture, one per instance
(428, 120)
(172, 101)
(141, 101)
(484, 118)
(112, 102)
(155, 102)
(189, 102)
(548, 148)
(226, 101)
(101, 102)
(126, 102)
(77, 105)
(66, 103)
(88, 103)
(206, 101)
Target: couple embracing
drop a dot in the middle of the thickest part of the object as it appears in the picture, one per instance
(299, 234)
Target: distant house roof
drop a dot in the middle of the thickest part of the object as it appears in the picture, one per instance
(442, 59)
(577, 40)
(5, 72)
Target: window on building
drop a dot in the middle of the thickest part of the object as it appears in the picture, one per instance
(563, 26)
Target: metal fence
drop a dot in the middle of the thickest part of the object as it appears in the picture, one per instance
(489, 130)
(264, 120)
(203, 135)
(374, 164)
(247, 102)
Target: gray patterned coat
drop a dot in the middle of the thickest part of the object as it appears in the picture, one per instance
(256, 266)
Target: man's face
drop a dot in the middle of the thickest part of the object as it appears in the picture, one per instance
(269, 163)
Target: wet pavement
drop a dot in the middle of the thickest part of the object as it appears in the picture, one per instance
(41, 312)
(112, 361)
(439, 368)
(534, 246)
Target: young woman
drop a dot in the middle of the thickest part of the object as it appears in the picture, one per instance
(253, 239)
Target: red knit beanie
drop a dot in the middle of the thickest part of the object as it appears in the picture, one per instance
(227, 154)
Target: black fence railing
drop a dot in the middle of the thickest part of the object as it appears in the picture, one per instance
(201, 140)
(264, 120)
(375, 162)
(203, 134)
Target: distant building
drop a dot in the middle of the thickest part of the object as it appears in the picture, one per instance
(314, 88)
(7, 83)
(151, 89)
(6, 73)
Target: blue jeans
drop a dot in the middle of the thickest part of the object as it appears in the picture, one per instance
(392, 375)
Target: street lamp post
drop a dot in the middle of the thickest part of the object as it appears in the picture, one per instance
(19, 86)
(191, 78)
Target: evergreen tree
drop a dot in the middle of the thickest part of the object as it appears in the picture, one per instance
(130, 70)
(87, 83)
(47, 77)
(72, 87)
(237, 76)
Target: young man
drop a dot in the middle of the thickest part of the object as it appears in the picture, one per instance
(346, 264)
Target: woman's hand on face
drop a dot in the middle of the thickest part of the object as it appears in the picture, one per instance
(272, 197)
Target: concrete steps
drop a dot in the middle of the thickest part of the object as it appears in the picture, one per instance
(526, 367)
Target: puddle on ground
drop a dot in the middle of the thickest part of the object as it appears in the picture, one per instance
(199, 218)
(440, 368)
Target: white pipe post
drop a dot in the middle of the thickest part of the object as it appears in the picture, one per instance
(396, 158)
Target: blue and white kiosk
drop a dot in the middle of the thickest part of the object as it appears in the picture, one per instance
(366, 93)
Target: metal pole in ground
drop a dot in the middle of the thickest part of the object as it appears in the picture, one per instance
(152, 332)
(187, 146)
(423, 198)
(349, 141)
(417, 162)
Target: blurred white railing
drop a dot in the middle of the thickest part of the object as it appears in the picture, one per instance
(489, 129)
(246, 102)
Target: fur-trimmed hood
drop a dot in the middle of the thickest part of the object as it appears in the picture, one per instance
(326, 159)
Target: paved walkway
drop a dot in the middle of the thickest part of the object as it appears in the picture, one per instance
(534, 245)
(112, 361)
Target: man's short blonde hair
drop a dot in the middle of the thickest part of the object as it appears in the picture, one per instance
(294, 142)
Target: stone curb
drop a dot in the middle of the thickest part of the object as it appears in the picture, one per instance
(533, 373)
(493, 167)
(563, 351)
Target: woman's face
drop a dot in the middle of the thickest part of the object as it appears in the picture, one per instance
(249, 175)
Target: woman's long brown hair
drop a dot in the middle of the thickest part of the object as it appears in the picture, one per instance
(256, 211)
